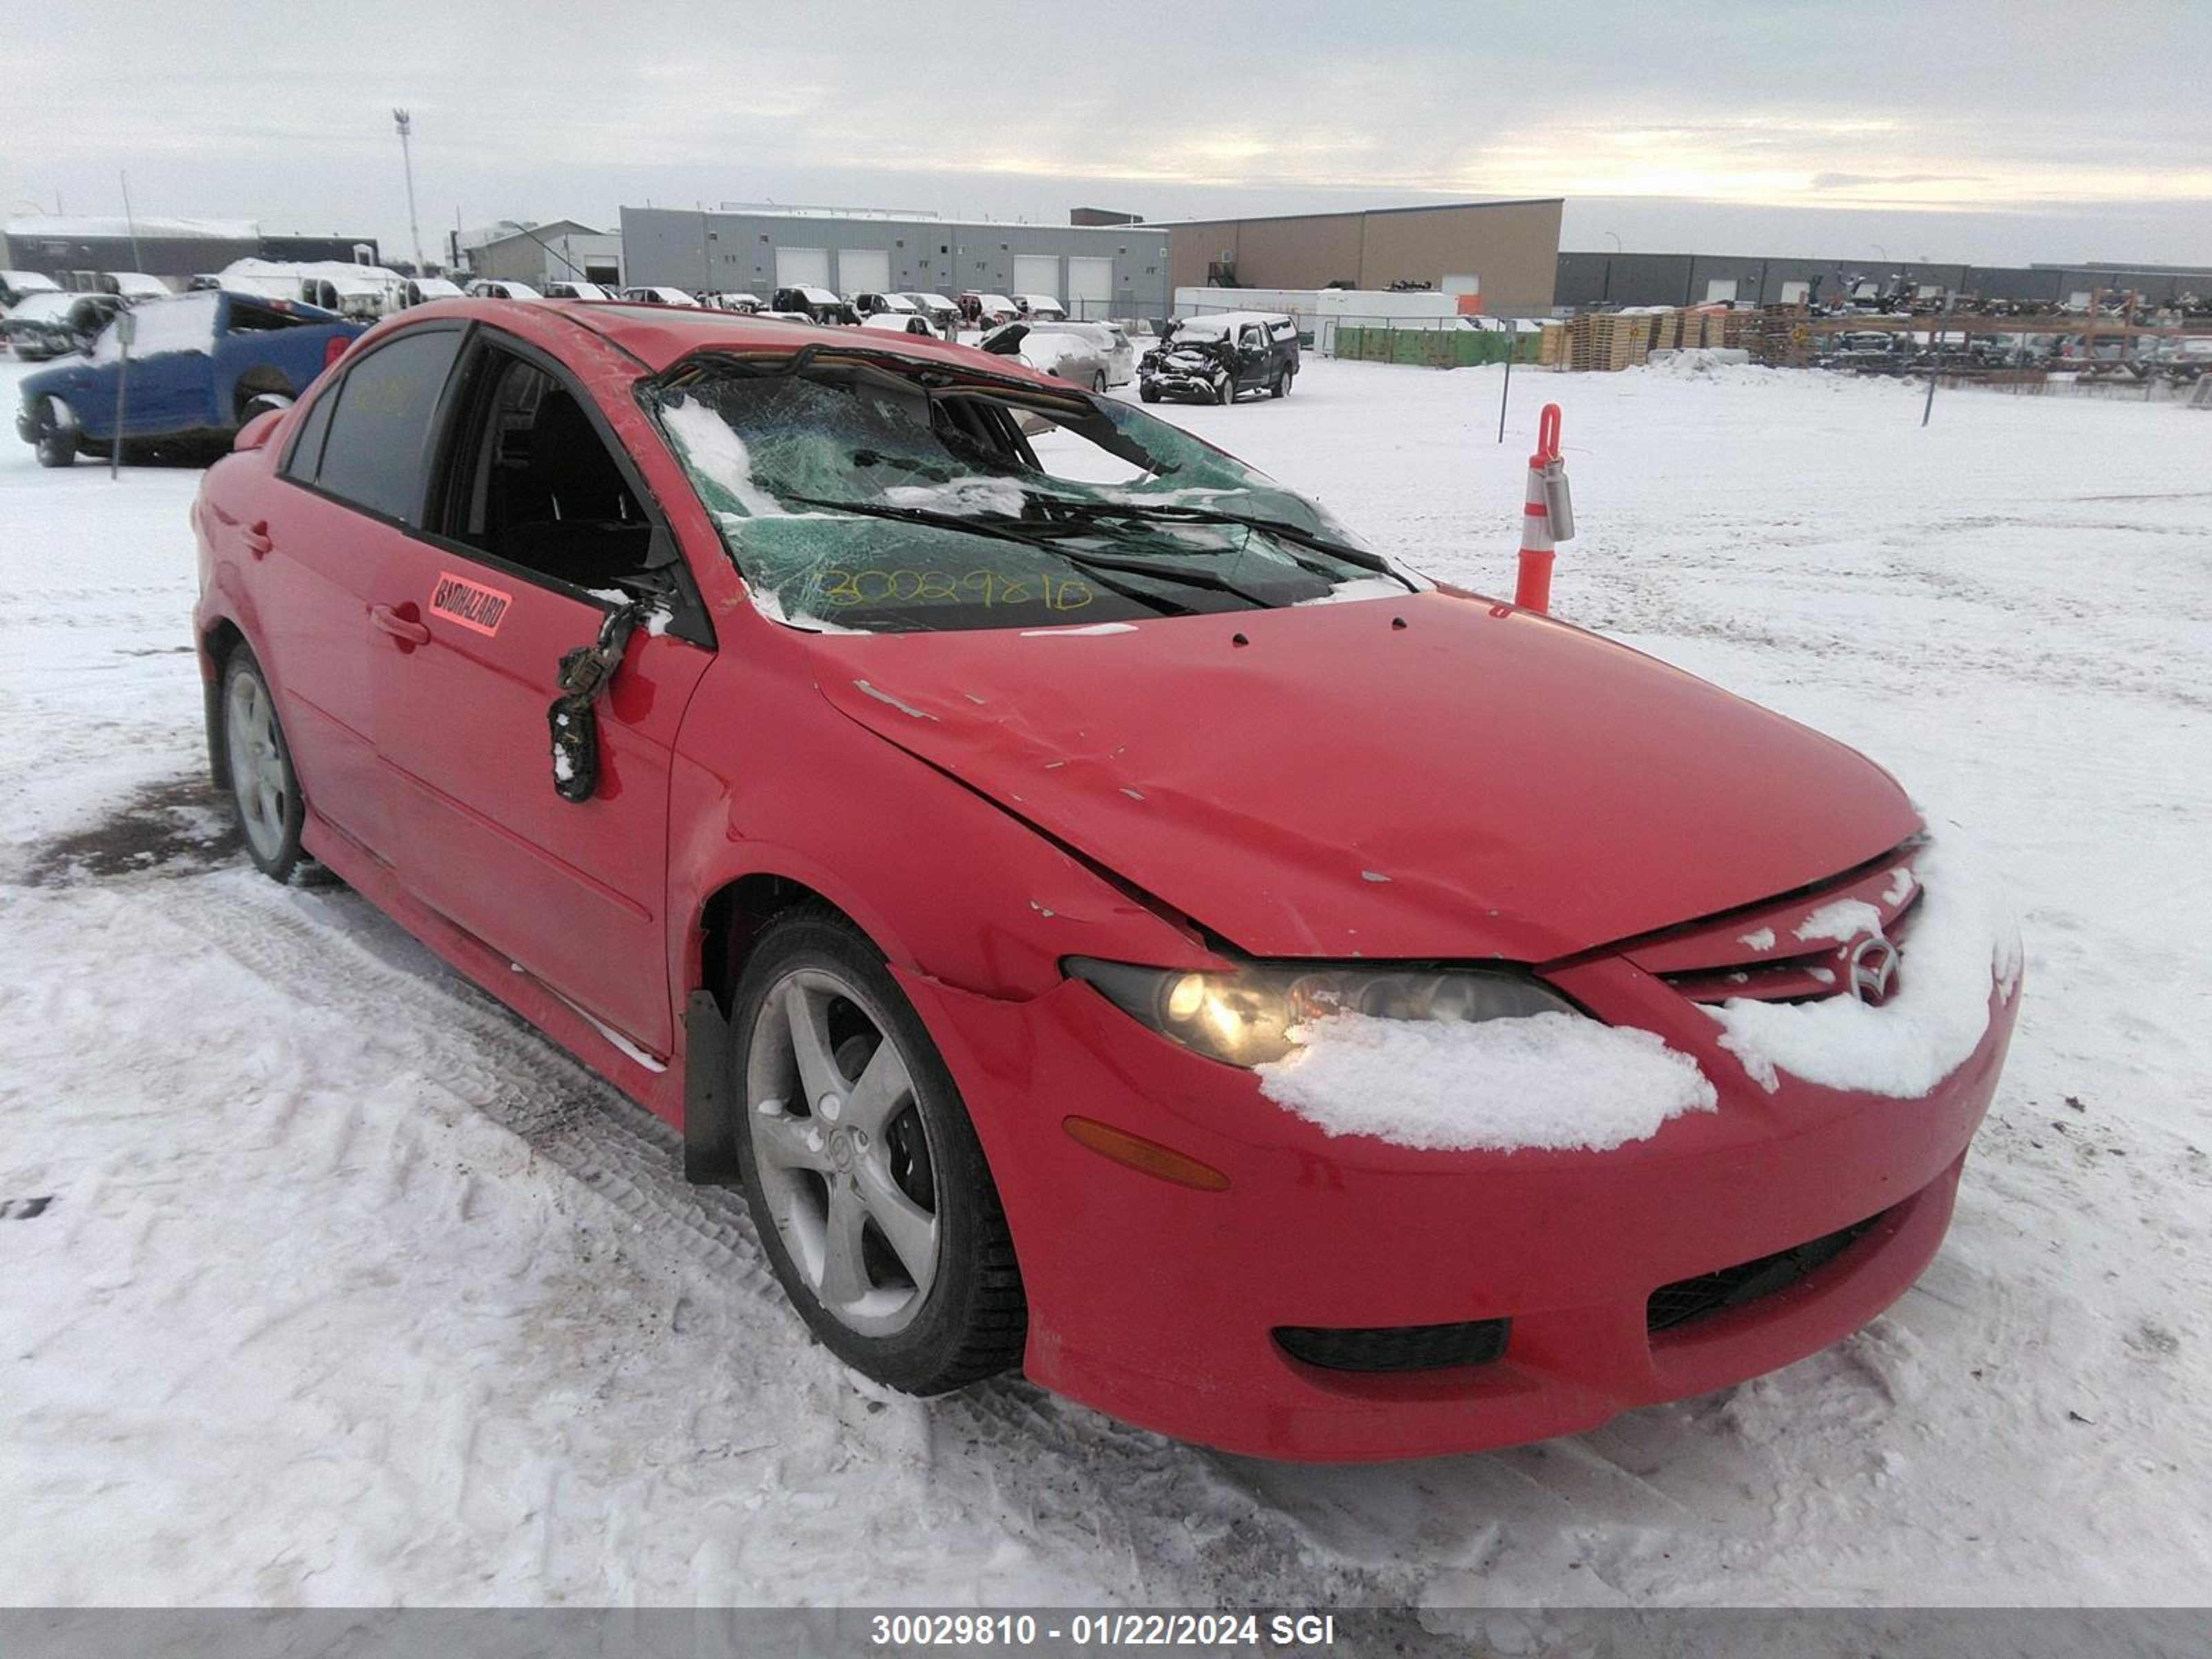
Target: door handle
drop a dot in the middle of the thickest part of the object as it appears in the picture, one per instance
(400, 627)
(256, 538)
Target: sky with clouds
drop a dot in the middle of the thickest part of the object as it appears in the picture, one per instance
(1996, 132)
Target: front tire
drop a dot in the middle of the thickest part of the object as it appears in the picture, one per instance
(865, 1182)
(1147, 392)
(57, 441)
(264, 790)
(261, 403)
(1224, 389)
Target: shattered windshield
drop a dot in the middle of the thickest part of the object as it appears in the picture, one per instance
(881, 494)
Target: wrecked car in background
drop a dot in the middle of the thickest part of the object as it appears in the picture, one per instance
(1214, 359)
(817, 304)
(201, 366)
(53, 323)
(1083, 354)
(1017, 843)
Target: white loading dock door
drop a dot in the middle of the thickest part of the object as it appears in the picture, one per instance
(1793, 293)
(1037, 273)
(1720, 289)
(863, 270)
(1090, 286)
(802, 267)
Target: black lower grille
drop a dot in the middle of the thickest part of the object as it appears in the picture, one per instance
(1688, 1300)
(1395, 1347)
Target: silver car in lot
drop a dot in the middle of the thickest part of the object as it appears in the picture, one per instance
(1097, 356)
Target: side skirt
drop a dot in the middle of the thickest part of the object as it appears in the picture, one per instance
(660, 1092)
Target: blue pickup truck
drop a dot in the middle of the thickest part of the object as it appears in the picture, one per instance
(201, 366)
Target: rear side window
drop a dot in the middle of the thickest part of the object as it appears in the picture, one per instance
(307, 454)
(377, 446)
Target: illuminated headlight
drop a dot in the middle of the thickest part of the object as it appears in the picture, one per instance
(1244, 1016)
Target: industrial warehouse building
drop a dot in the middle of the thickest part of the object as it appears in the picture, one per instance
(539, 254)
(177, 249)
(1510, 249)
(1588, 281)
(1111, 270)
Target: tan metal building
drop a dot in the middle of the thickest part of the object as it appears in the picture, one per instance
(1512, 247)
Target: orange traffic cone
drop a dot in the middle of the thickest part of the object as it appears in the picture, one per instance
(1546, 517)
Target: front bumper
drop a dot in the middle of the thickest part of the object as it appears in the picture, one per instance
(1156, 1303)
(1199, 388)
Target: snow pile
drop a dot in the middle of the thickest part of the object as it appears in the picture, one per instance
(964, 497)
(184, 324)
(718, 453)
(1706, 363)
(1966, 939)
(1557, 1082)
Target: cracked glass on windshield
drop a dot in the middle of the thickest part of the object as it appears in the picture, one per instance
(882, 496)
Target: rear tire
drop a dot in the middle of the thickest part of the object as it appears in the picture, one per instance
(260, 404)
(56, 442)
(1098, 384)
(1282, 385)
(868, 1187)
(264, 790)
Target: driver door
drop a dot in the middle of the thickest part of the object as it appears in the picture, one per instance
(538, 528)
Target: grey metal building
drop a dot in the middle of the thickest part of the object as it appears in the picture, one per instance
(1114, 270)
(178, 249)
(1586, 280)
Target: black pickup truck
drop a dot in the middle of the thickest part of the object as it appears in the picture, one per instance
(1212, 359)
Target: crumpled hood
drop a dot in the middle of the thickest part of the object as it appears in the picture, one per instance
(1479, 782)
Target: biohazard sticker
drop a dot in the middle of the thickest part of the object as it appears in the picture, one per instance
(469, 604)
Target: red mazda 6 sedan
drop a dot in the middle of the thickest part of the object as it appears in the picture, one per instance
(1110, 920)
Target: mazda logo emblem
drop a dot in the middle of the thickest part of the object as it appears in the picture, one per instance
(1872, 967)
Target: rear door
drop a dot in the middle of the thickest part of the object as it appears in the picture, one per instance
(350, 493)
(539, 528)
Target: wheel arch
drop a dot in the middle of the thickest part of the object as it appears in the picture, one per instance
(218, 640)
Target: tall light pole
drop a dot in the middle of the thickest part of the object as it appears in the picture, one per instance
(406, 125)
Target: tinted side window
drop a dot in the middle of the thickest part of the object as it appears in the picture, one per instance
(379, 442)
(307, 448)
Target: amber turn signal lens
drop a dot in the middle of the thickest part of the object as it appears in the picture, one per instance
(1146, 1157)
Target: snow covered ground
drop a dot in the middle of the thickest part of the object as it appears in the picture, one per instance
(350, 1290)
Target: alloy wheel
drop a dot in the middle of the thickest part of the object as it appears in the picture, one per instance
(258, 776)
(842, 1155)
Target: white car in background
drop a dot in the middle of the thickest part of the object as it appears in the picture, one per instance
(944, 315)
(421, 290)
(1040, 307)
(485, 288)
(1049, 343)
(742, 302)
(651, 295)
(1082, 354)
(16, 286)
(901, 322)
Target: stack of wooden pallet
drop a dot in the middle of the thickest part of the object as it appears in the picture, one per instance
(1606, 343)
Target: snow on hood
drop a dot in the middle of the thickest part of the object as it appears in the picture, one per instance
(1552, 1081)
(1964, 939)
(1479, 758)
